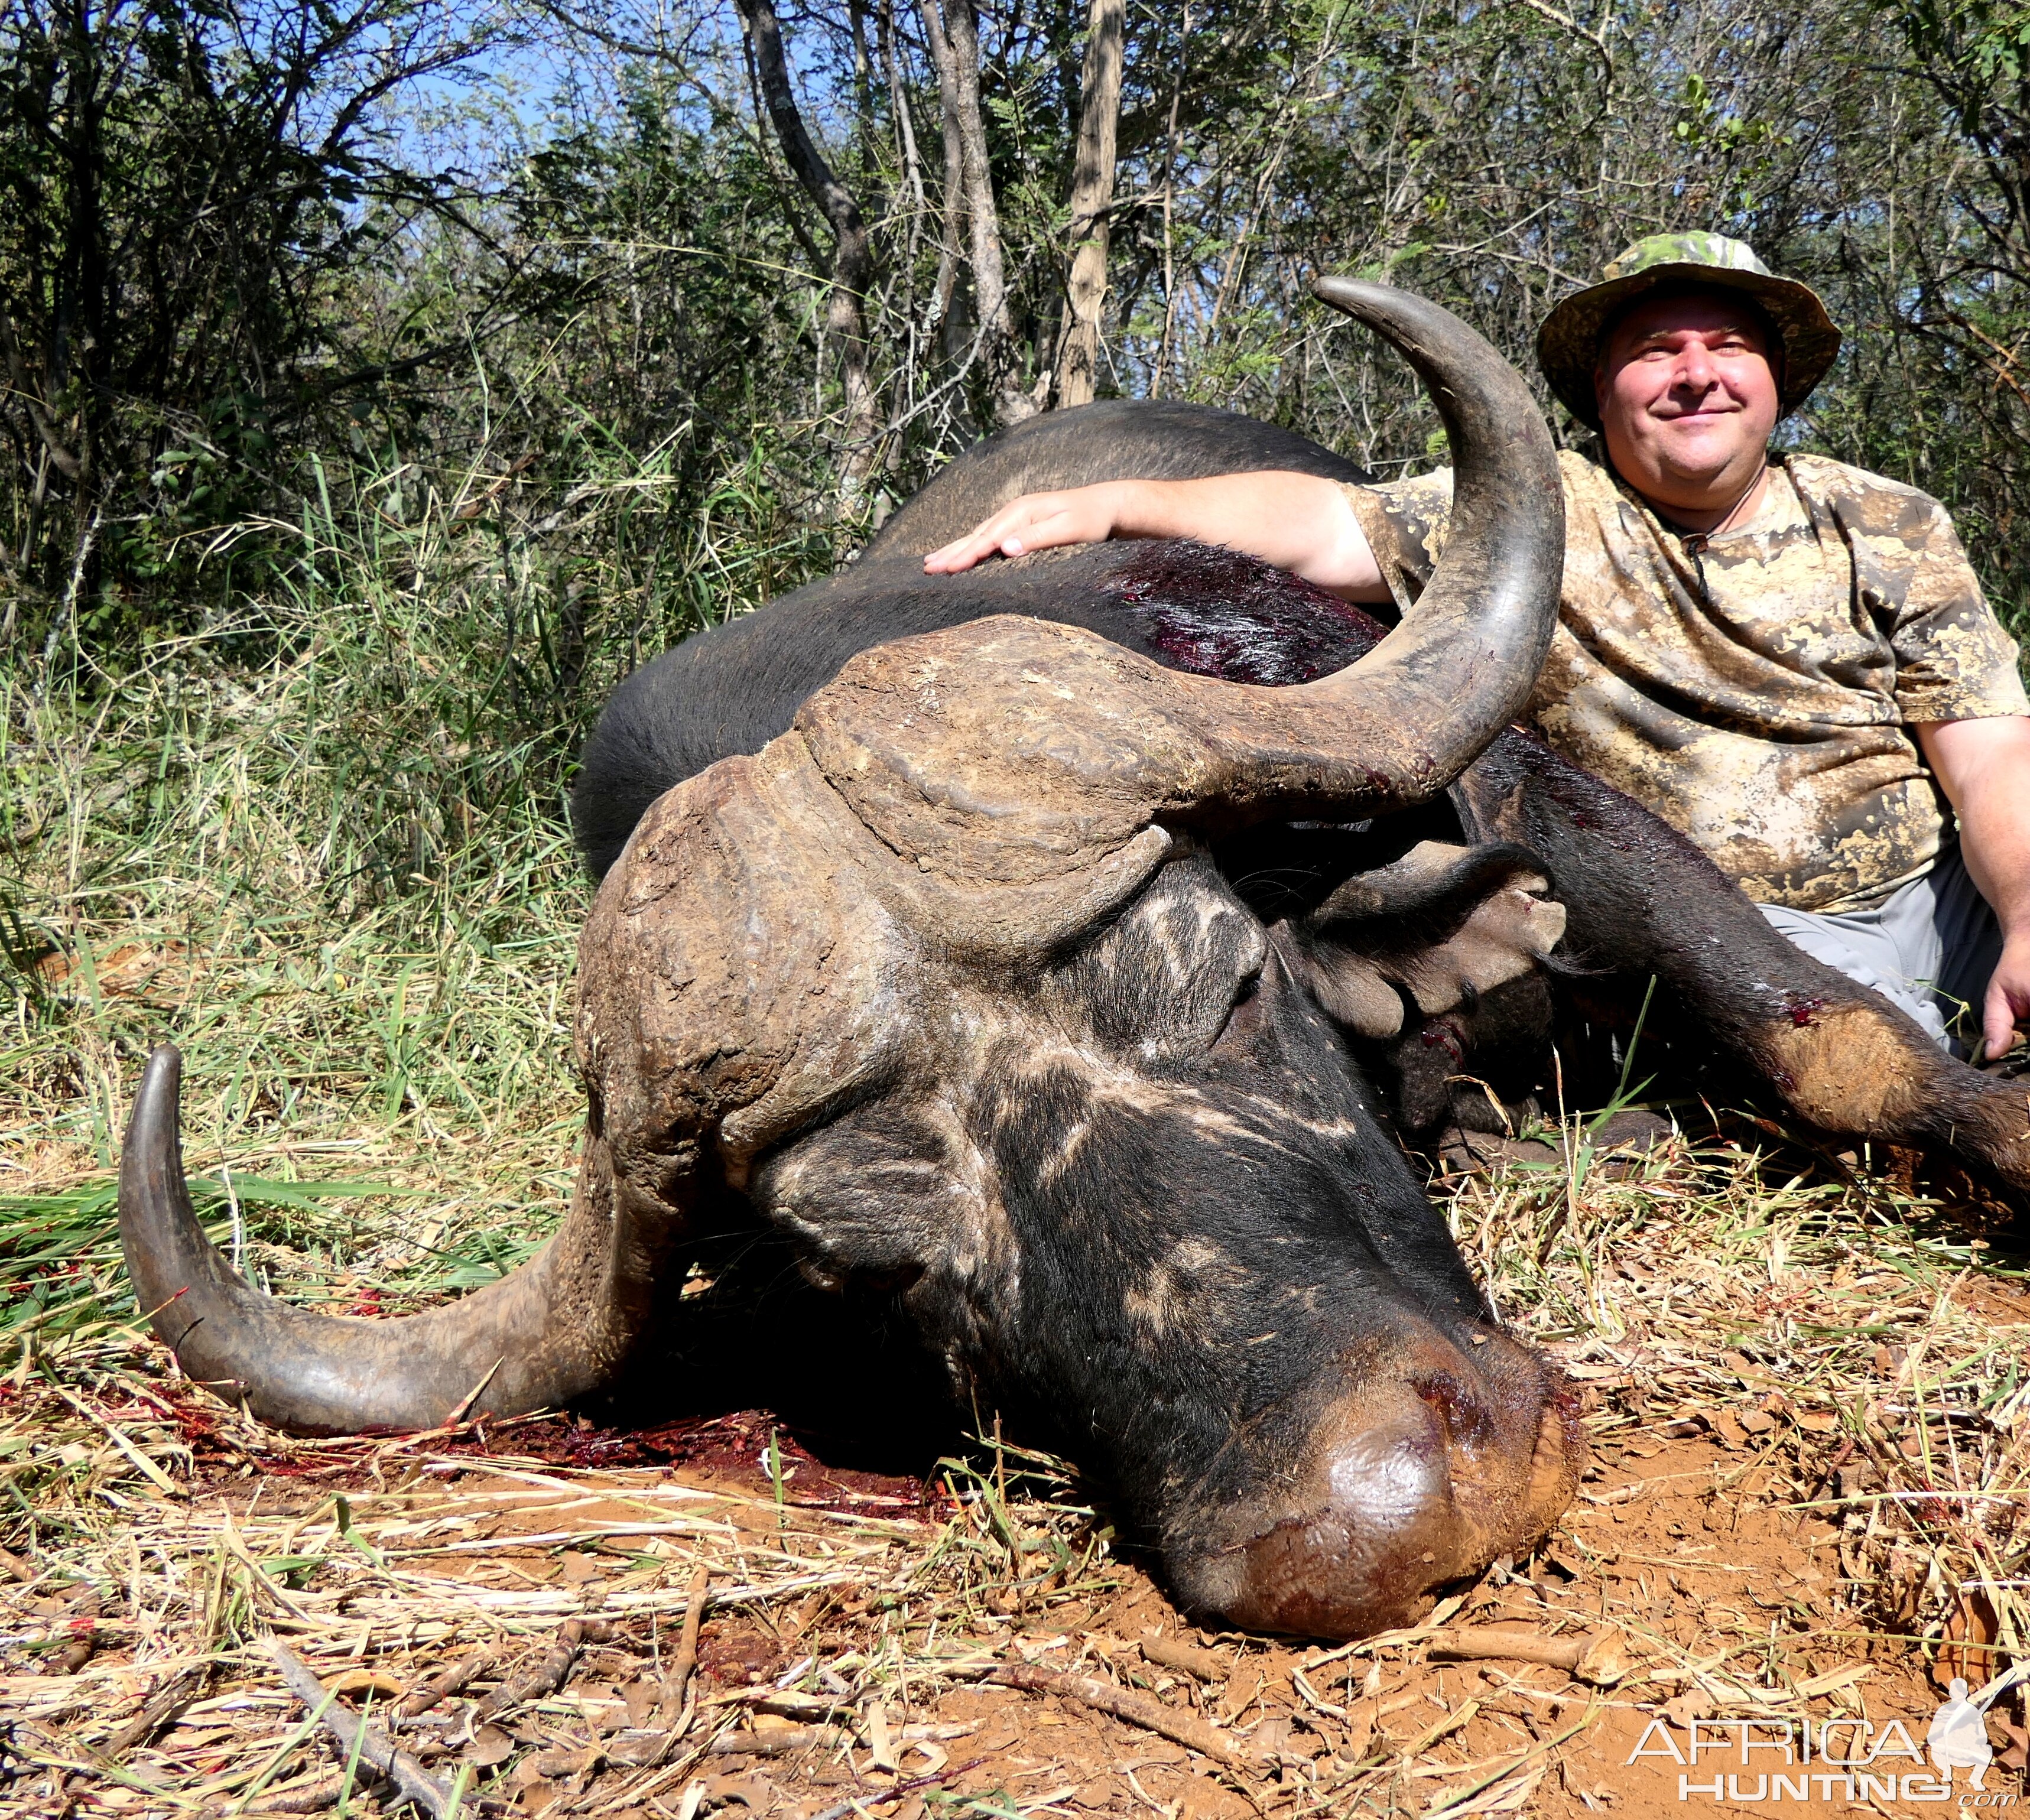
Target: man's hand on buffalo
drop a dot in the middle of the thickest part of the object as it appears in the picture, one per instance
(1298, 522)
(1043, 521)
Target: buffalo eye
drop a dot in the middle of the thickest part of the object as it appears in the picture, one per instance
(1244, 1017)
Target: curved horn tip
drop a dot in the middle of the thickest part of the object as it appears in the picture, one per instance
(1393, 312)
(154, 1139)
(1349, 296)
(164, 1072)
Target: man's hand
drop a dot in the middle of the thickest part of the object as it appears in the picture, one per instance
(2008, 1006)
(1984, 767)
(1036, 521)
(1296, 521)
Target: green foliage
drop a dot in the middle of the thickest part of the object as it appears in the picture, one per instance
(189, 189)
(284, 270)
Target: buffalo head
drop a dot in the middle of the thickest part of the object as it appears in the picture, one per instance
(945, 983)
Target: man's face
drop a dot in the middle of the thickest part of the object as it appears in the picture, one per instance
(1687, 395)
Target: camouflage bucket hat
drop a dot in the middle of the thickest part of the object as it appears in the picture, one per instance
(1568, 344)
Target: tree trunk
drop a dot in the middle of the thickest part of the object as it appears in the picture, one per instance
(955, 47)
(852, 256)
(1092, 193)
(950, 338)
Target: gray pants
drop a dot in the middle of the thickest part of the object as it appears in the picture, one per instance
(1928, 948)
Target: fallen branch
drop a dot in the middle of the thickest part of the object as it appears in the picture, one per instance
(163, 1707)
(1137, 1709)
(1167, 1652)
(1597, 1658)
(442, 1685)
(371, 1745)
(676, 1683)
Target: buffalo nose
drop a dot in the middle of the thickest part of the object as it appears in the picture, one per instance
(1416, 1472)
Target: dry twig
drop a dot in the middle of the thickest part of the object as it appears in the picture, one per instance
(442, 1686)
(676, 1683)
(163, 1707)
(1167, 1652)
(548, 1675)
(372, 1745)
(1137, 1709)
(1597, 1658)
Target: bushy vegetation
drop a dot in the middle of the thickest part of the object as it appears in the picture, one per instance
(583, 274)
(383, 385)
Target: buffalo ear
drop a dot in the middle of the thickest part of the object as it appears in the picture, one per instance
(1438, 928)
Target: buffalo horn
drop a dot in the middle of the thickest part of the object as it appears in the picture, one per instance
(1401, 723)
(550, 1331)
(1012, 751)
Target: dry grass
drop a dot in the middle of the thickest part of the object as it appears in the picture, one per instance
(1807, 1416)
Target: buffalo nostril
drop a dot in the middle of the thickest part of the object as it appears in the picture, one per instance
(1468, 1422)
(1414, 1477)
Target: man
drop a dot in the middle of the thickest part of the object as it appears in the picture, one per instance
(1786, 658)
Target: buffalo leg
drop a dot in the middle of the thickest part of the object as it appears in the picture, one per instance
(1644, 903)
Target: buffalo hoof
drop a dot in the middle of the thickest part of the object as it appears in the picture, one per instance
(1426, 1472)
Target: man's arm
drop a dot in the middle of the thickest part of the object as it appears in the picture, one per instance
(1296, 521)
(1984, 768)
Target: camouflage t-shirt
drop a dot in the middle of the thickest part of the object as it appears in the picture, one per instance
(1754, 689)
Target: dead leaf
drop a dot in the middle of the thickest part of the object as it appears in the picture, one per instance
(880, 1742)
(579, 1761)
(1731, 1432)
(1693, 1703)
(378, 1682)
(1242, 1691)
(490, 1745)
(641, 1699)
(1973, 1622)
(1604, 1660)
(576, 1569)
(124, 970)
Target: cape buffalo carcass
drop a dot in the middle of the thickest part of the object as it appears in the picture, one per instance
(1053, 943)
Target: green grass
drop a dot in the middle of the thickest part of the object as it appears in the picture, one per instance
(321, 844)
